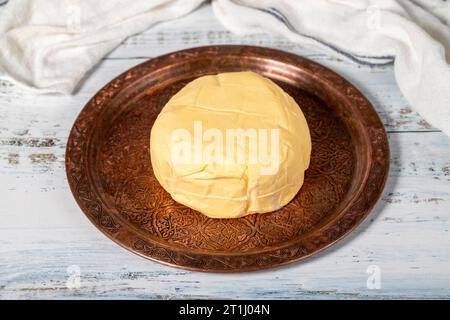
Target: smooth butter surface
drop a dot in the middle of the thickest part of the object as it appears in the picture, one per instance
(232, 188)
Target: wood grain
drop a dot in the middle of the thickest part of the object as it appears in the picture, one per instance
(42, 231)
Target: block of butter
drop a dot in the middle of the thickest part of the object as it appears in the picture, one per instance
(231, 144)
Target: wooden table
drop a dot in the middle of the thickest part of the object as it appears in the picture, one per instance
(45, 239)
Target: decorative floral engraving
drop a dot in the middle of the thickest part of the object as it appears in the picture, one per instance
(109, 169)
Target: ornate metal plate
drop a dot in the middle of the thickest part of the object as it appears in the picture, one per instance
(110, 174)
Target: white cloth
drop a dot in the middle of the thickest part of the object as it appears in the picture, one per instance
(52, 44)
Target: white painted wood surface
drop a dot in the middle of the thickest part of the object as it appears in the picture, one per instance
(43, 232)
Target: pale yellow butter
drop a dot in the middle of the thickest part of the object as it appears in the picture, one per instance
(190, 137)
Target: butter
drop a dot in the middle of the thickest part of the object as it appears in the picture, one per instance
(231, 144)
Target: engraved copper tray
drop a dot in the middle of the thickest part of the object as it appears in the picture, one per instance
(110, 174)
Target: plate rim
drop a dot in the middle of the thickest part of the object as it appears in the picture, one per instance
(172, 255)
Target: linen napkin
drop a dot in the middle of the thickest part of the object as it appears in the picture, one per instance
(51, 44)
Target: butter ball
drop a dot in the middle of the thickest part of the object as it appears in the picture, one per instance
(231, 144)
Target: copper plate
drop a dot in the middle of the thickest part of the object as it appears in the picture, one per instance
(111, 177)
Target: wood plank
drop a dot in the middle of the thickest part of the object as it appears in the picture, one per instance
(407, 236)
